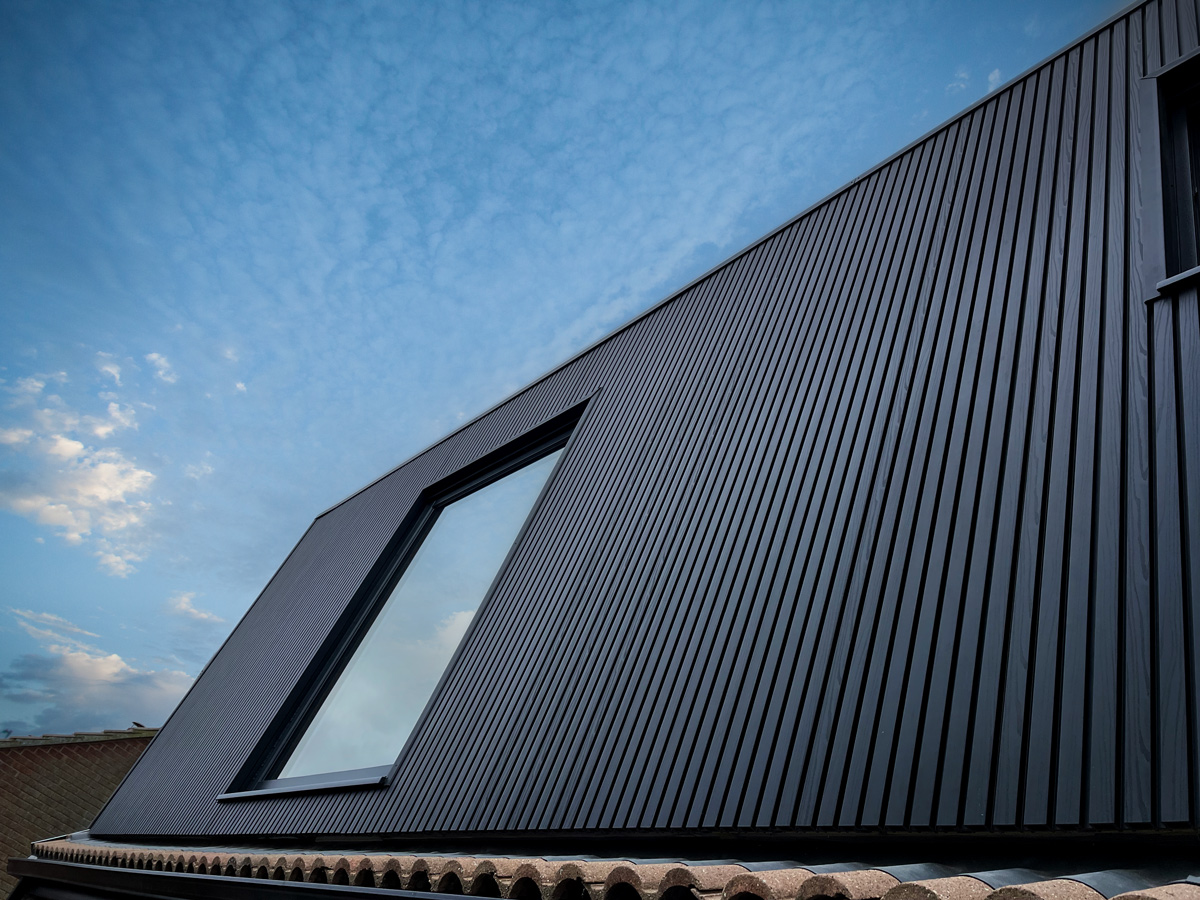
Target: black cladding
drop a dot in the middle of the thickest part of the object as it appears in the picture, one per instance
(889, 521)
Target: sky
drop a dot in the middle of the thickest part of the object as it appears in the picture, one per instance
(252, 256)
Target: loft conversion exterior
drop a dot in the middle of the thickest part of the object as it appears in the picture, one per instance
(867, 565)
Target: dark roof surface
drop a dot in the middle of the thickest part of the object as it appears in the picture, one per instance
(892, 522)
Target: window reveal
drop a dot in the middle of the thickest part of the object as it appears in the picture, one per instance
(366, 717)
(1179, 98)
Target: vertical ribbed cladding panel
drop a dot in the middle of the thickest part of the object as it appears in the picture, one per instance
(892, 520)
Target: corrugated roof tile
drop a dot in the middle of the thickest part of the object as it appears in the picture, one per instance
(1053, 889)
(956, 887)
(700, 878)
(518, 878)
(1164, 892)
(864, 884)
(775, 884)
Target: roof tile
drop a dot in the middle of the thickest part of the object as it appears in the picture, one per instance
(774, 884)
(1164, 892)
(1053, 889)
(864, 884)
(957, 887)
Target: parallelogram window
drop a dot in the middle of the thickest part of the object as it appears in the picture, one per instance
(363, 721)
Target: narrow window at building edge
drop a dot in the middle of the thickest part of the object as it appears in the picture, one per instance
(1179, 99)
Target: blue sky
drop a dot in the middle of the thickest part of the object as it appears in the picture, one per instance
(254, 255)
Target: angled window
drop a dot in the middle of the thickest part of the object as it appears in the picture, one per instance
(1179, 98)
(353, 725)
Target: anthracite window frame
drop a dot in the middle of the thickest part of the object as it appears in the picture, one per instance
(1179, 127)
(1169, 99)
(256, 777)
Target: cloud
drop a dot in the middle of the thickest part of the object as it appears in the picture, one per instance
(162, 368)
(401, 680)
(118, 417)
(181, 605)
(85, 493)
(27, 389)
(452, 628)
(50, 620)
(995, 79)
(63, 448)
(53, 636)
(230, 354)
(117, 561)
(961, 79)
(199, 470)
(106, 365)
(73, 686)
(56, 417)
(240, 387)
(15, 435)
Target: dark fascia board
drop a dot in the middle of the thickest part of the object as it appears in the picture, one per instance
(109, 882)
(810, 209)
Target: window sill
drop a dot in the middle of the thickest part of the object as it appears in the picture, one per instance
(1171, 287)
(362, 778)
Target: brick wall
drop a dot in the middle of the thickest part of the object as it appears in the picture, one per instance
(57, 784)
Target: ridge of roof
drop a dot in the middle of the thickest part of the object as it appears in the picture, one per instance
(78, 737)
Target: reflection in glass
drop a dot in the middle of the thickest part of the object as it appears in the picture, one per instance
(367, 716)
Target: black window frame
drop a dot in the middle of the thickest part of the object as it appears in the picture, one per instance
(1169, 183)
(1179, 136)
(257, 777)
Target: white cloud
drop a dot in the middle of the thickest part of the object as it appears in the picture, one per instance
(995, 79)
(240, 387)
(452, 628)
(181, 605)
(83, 492)
(200, 469)
(54, 636)
(230, 354)
(55, 417)
(162, 368)
(117, 561)
(27, 389)
(107, 366)
(45, 511)
(15, 435)
(961, 79)
(401, 680)
(74, 686)
(63, 448)
(118, 417)
(50, 620)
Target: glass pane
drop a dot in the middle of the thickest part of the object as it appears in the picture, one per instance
(366, 718)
